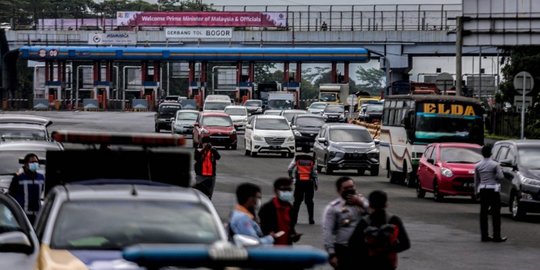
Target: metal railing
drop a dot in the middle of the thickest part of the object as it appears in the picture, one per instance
(407, 17)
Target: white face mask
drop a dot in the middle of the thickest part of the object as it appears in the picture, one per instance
(285, 196)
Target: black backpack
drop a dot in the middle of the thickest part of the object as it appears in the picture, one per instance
(381, 241)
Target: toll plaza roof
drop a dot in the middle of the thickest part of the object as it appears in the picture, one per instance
(214, 54)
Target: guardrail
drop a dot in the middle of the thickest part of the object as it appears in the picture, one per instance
(406, 17)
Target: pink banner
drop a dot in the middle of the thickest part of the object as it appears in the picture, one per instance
(232, 19)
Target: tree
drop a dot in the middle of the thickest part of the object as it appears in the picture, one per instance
(372, 79)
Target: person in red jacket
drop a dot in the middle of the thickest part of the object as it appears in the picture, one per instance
(278, 215)
(205, 167)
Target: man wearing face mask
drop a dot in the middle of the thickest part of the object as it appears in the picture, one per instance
(277, 214)
(243, 220)
(339, 221)
(304, 172)
(27, 185)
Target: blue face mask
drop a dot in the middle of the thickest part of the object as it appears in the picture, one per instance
(33, 167)
(286, 196)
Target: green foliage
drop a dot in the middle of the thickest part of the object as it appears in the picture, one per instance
(372, 80)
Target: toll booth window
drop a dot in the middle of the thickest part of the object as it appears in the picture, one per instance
(115, 224)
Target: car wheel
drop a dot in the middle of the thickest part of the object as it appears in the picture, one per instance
(436, 193)
(360, 171)
(253, 154)
(517, 211)
(420, 192)
(374, 171)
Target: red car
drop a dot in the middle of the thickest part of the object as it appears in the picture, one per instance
(447, 169)
(218, 127)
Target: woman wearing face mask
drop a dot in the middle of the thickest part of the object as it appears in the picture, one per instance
(27, 185)
(278, 215)
(243, 220)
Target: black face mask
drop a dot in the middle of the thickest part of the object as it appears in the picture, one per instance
(348, 192)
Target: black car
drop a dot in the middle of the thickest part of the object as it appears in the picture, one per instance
(346, 146)
(164, 114)
(520, 161)
(254, 106)
(371, 112)
(305, 128)
(334, 113)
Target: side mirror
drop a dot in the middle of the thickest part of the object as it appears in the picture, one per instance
(172, 119)
(377, 141)
(196, 125)
(293, 126)
(507, 163)
(248, 126)
(322, 140)
(245, 240)
(16, 242)
(430, 161)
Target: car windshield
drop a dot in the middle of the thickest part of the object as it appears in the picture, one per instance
(272, 124)
(460, 155)
(235, 111)
(328, 97)
(289, 115)
(309, 122)
(216, 106)
(217, 121)
(317, 106)
(334, 109)
(7, 134)
(186, 116)
(115, 224)
(529, 157)
(374, 108)
(350, 135)
(253, 103)
(168, 110)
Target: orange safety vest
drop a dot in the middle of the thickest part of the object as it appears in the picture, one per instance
(304, 169)
(207, 169)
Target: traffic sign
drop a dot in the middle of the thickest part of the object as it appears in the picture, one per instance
(523, 81)
(444, 82)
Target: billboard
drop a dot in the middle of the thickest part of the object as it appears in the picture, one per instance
(225, 19)
(112, 38)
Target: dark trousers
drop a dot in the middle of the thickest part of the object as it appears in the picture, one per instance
(205, 184)
(489, 199)
(343, 254)
(304, 191)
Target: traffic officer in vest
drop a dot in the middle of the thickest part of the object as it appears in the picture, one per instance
(303, 171)
(205, 167)
(27, 185)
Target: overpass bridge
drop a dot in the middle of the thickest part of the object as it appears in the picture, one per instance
(397, 32)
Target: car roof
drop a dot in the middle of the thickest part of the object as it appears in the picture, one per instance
(294, 111)
(187, 111)
(214, 114)
(29, 145)
(21, 126)
(308, 115)
(24, 119)
(235, 107)
(258, 100)
(521, 142)
(81, 191)
(343, 126)
(170, 104)
(266, 116)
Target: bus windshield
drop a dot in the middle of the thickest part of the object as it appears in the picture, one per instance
(448, 124)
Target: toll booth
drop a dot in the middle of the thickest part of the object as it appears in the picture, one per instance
(293, 87)
(244, 91)
(197, 92)
(150, 93)
(102, 92)
(54, 94)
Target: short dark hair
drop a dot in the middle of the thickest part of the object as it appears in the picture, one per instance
(245, 191)
(282, 181)
(486, 150)
(378, 199)
(29, 156)
(342, 180)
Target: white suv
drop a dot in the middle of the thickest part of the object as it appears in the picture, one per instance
(269, 134)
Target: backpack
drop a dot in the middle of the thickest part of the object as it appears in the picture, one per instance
(381, 241)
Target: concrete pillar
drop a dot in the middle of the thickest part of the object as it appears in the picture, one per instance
(286, 72)
(157, 71)
(298, 72)
(97, 71)
(251, 71)
(51, 71)
(238, 72)
(346, 72)
(203, 72)
(47, 71)
(108, 71)
(191, 72)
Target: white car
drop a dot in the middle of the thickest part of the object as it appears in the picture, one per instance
(317, 107)
(239, 116)
(269, 134)
(289, 114)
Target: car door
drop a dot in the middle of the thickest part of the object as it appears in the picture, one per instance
(507, 154)
(422, 167)
(318, 148)
(248, 133)
(431, 168)
(19, 245)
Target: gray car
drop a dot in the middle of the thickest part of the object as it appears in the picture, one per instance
(184, 121)
(346, 146)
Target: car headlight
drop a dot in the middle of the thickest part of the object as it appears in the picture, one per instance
(529, 181)
(204, 131)
(297, 133)
(257, 138)
(290, 139)
(447, 172)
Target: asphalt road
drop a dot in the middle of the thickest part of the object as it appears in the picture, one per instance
(444, 235)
